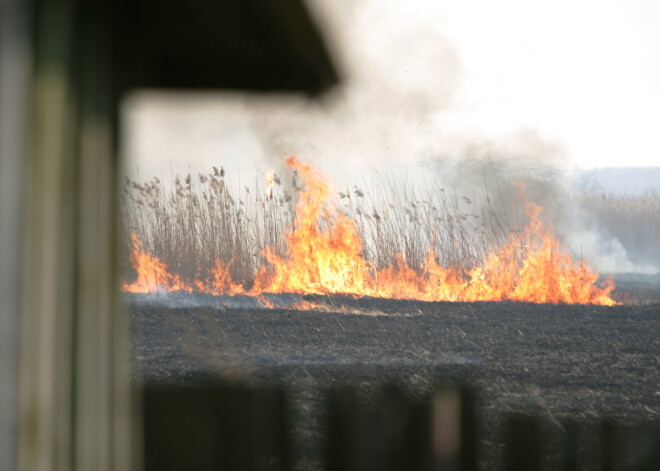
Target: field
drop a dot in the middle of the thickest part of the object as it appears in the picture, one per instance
(194, 225)
(561, 362)
(195, 221)
(558, 362)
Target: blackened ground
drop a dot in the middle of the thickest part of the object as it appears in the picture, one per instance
(559, 362)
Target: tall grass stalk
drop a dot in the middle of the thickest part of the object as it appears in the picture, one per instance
(194, 221)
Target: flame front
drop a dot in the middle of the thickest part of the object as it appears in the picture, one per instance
(324, 256)
(270, 181)
(318, 261)
(152, 274)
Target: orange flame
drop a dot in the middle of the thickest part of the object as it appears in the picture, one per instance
(324, 256)
(270, 181)
(152, 273)
(319, 261)
(220, 282)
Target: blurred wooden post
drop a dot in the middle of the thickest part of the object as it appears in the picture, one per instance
(608, 445)
(571, 446)
(400, 433)
(523, 444)
(14, 93)
(470, 423)
(454, 429)
(342, 431)
(219, 427)
(642, 447)
(417, 453)
(75, 394)
(62, 77)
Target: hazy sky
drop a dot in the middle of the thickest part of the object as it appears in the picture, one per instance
(584, 72)
(571, 81)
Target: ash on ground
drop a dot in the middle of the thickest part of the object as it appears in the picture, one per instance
(558, 362)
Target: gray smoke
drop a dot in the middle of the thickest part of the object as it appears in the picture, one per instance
(393, 113)
(182, 299)
(493, 171)
(397, 76)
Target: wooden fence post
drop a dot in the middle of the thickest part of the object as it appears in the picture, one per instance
(216, 427)
(523, 444)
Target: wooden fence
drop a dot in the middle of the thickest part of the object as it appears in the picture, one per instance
(236, 427)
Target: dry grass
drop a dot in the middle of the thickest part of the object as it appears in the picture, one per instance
(396, 217)
(200, 220)
(203, 220)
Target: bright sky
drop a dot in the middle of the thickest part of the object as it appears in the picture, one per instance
(585, 72)
(577, 81)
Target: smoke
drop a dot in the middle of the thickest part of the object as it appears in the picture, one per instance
(182, 299)
(523, 166)
(398, 74)
(494, 169)
(604, 252)
(395, 113)
(401, 108)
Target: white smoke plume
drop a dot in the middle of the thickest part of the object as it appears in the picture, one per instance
(400, 109)
(494, 169)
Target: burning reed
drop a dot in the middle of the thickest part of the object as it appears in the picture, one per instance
(428, 243)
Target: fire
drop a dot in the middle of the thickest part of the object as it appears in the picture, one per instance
(324, 256)
(319, 261)
(220, 282)
(271, 180)
(153, 275)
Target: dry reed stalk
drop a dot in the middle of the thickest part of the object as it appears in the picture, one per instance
(198, 221)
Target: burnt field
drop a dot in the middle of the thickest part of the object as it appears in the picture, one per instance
(557, 362)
